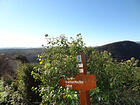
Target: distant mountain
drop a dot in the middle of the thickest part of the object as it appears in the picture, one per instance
(12, 47)
(30, 53)
(122, 50)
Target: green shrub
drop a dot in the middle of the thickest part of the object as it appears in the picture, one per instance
(25, 82)
(116, 82)
(58, 60)
(2, 93)
(20, 92)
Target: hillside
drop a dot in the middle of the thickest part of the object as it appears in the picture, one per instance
(30, 53)
(122, 50)
(8, 66)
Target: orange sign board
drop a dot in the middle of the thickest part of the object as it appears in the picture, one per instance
(80, 82)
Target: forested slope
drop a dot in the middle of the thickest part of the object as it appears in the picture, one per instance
(122, 50)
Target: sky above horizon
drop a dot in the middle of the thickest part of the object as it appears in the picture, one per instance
(23, 23)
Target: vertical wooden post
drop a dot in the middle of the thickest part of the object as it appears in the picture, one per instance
(84, 98)
(84, 95)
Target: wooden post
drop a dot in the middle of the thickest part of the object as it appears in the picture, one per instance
(84, 98)
(84, 95)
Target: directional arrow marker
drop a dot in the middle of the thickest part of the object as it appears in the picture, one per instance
(80, 82)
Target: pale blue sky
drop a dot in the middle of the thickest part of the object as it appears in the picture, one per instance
(23, 23)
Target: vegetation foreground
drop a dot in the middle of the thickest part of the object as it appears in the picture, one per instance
(118, 83)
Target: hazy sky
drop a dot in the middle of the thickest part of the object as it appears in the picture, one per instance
(23, 23)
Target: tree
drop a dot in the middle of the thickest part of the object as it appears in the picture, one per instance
(22, 58)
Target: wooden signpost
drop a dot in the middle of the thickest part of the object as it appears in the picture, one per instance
(82, 82)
